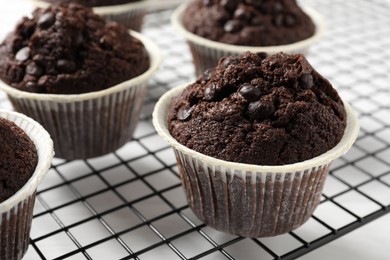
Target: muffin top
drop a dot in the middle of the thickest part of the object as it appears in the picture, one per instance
(67, 49)
(18, 158)
(248, 22)
(259, 109)
(92, 3)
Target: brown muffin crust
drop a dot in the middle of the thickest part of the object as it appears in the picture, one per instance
(93, 3)
(261, 110)
(18, 158)
(248, 22)
(67, 49)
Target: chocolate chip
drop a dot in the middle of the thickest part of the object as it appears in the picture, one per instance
(232, 26)
(17, 73)
(229, 5)
(59, 16)
(66, 66)
(255, 3)
(23, 54)
(224, 62)
(284, 20)
(34, 69)
(184, 113)
(207, 74)
(31, 84)
(289, 20)
(17, 42)
(278, 20)
(261, 110)
(278, 6)
(106, 40)
(306, 81)
(249, 92)
(38, 58)
(28, 28)
(272, 7)
(210, 91)
(28, 77)
(262, 55)
(43, 80)
(207, 2)
(46, 20)
(242, 14)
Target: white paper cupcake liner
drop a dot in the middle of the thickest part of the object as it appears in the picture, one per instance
(130, 14)
(206, 53)
(251, 200)
(91, 124)
(16, 212)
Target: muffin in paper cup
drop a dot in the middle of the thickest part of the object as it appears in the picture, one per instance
(17, 211)
(206, 53)
(90, 124)
(130, 14)
(251, 200)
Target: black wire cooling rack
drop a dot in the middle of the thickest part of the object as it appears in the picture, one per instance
(130, 205)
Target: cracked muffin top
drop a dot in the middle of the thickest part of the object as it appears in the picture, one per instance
(67, 49)
(259, 109)
(248, 22)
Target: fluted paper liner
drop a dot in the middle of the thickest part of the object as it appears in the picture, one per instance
(206, 53)
(16, 212)
(251, 200)
(91, 124)
(130, 14)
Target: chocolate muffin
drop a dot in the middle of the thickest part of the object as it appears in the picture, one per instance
(259, 109)
(82, 77)
(254, 139)
(18, 158)
(67, 49)
(26, 152)
(92, 3)
(247, 22)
